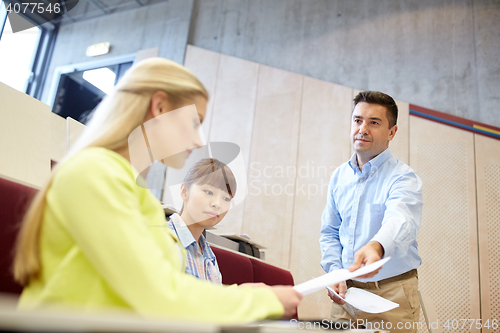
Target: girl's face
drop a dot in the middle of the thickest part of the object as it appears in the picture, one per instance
(188, 132)
(205, 204)
(173, 134)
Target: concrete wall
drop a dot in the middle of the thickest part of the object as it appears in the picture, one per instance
(441, 54)
(85, 10)
(164, 25)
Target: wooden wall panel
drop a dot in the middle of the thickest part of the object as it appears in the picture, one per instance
(232, 121)
(75, 129)
(204, 64)
(58, 137)
(234, 101)
(269, 204)
(399, 145)
(355, 92)
(323, 146)
(24, 138)
(488, 205)
(443, 157)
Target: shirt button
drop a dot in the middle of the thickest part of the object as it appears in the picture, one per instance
(352, 221)
(373, 171)
(350, 242)
(356, 201)
(361, 180)
(350, 261)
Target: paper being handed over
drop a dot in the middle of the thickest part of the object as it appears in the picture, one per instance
(366, 301)
(337, 276)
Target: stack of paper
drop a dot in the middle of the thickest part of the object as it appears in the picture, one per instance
(358, 298)
(366, 301)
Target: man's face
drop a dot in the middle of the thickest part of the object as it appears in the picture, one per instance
(370, 132)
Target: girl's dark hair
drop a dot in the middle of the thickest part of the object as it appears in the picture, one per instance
(206, 171)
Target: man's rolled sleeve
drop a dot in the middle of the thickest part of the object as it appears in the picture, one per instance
(402, 215)
(387, 243)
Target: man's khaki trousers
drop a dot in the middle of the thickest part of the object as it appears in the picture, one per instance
(404, 318)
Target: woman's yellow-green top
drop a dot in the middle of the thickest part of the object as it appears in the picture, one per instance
(105, 244)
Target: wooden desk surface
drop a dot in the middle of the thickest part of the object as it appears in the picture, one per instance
(13, 320)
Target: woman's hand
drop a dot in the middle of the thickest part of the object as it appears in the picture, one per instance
(253, 285)
(289, 297)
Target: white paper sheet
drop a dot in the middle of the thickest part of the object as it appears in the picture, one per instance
(366, 301)
(337, 276)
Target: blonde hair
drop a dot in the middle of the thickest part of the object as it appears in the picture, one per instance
(113, 120)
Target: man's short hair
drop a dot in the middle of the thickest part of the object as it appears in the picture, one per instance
(377, 97)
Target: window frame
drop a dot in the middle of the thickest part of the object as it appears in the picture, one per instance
(3, 17)
(83, 66)
(41, 55)
(41, 59)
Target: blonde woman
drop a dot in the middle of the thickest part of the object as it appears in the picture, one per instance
(94, 239)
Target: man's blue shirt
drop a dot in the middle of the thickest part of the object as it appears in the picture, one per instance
(382, 203)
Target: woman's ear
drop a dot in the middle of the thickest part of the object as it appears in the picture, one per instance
(160, 104)
(184, 192)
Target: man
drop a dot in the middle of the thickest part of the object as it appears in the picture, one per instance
(373, 211)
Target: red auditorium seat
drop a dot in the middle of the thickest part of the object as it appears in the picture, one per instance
(14, 200)
(233, 267)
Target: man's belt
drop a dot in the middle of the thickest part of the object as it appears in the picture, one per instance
(377, 284)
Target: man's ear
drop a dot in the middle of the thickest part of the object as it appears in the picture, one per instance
(184, 192)
(393, 131)
(160, 104)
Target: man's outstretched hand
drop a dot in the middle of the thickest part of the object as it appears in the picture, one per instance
(366, 255)
(340, 288)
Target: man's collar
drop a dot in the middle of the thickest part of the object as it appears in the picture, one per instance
(376, 162)
(353, 162)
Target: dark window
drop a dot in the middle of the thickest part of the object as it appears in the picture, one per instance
(80, 92)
